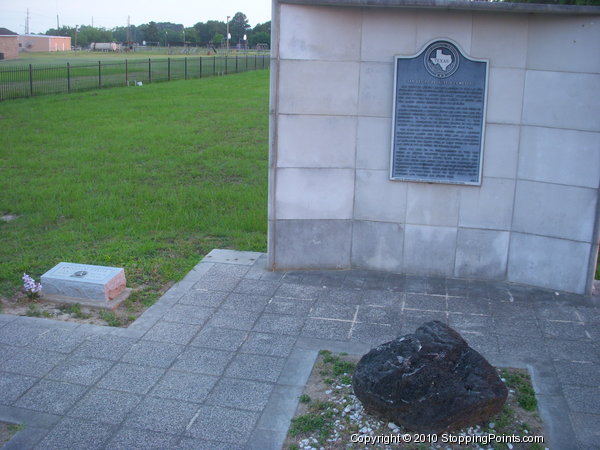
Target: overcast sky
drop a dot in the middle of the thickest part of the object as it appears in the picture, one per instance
(112, 13)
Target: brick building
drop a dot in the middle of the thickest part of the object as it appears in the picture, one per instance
(9, 44)
(43, 43)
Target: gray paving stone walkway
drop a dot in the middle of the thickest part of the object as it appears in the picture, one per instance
(220, 360)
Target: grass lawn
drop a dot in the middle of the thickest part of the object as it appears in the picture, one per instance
(148, 178)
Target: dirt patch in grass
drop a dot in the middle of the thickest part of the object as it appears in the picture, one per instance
(126, 313)
(330, 416)
(7, 431)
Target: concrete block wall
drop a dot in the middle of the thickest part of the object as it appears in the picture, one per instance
(533, 220)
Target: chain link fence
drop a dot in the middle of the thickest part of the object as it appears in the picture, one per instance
(31, 80)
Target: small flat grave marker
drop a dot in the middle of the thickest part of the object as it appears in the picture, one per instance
(98, 286)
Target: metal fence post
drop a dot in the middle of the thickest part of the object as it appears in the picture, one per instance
(68, 78)
(214, 64)
(200, 61)
(185, 68)
(169, 69)
(126, 73)
(225, 64)
(149, 70)
(99, 75)
(30, 80)
(236, 63)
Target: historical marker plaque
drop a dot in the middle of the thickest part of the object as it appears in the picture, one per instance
(439, 116)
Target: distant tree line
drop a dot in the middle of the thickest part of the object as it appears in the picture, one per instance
(212, 32)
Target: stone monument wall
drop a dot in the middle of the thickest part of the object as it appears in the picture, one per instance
(534, 216)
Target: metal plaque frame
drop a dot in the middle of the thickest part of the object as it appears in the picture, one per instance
(439, 66)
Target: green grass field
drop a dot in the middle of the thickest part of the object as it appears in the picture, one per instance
(148, 178)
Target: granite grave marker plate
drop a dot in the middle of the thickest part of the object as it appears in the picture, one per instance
(439, 116)
(99, 285)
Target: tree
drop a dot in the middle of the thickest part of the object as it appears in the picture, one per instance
(206, 31)
(259, 38)
(238, 27)
(217, 39)
(261, 34)
(151, 33)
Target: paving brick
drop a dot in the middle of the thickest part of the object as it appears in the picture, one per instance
(587, 429)
(230, 318)
(131, 378)
(280, 324)
(153, 354)
(257, 287)
(268, 344)
(19, 334)
(291, 306)
(76, 433)
(326, 329)
(185, 386)
(59, 340)
(578, 373)
(241, 394)
(105, 405)
(6, 352)
(255, 367)
(13, 385)
(327, 310)
(204, 298)
(202, 444)
(105, 347)
(220, 338)
(412, 319)
(415, 284)
(583, 399)
(342, 296)
(79, 370)
(224, 424)
(457, 288)
(469, 305)
(188, 314)
(160, 414)
(470, 323)
(34, 362)
(383, 298)
(297, 291)
(425, 302)
(516, 326)
(524, 349)
(203, 360)
(53, 397)
(131, 438)
(174, 333)
(379, 315)
(245, 302)
(375, 334)
(562, 349)
(564, 330)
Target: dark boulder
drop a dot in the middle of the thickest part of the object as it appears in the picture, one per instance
(430, 381)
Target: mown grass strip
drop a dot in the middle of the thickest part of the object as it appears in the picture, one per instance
(149, 178)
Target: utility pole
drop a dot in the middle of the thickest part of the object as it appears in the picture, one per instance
(228, 35)
(92, 21)
(57, 23)
(27, 22)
